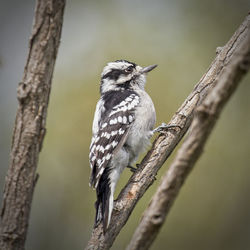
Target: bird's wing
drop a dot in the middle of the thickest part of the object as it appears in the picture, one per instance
(112, 134)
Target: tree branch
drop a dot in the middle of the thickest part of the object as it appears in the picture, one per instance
(33, 96)
(165, 143)
(205, 118)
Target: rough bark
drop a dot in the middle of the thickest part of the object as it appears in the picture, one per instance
(206, 115)
(29, 130)
(165, 143)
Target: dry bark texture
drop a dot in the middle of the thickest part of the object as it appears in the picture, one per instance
(165, 143)
(33, 96)
(205, 118)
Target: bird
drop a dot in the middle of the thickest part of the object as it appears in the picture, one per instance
(123, 124)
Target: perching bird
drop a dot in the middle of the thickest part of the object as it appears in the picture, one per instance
(122, 127)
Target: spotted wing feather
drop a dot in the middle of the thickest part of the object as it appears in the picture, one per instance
(112, 134)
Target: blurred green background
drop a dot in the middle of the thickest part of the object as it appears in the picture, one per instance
(213, 208)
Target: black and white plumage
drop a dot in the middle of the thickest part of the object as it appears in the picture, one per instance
(123, 124)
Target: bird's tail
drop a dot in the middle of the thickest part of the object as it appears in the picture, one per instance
(104, 203)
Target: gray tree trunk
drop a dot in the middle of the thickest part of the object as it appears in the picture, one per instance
(29, 130)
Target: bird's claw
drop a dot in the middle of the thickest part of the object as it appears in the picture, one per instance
(133, 169)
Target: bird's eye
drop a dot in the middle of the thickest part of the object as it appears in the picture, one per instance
(129, 69)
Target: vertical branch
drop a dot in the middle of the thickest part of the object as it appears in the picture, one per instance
(29, 130)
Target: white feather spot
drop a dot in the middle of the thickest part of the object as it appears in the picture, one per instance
(134, 103)
(100, 172)
(130, 118)
(104, 125)
(113, 121)
(121, 131)
(122, 104)
(108, 156)
(102, 149)
(124, 108)
(93, 148)
(114, 133)
(130, 106)
(97, 148)
(107, 147)
(103, 160)
(119, 119)
(114, 143)
(107, 135)
(99, 162)
(124, 119)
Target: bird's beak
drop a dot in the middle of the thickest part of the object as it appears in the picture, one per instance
(148, 68)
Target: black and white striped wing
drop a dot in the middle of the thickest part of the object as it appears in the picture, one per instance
(112, 134)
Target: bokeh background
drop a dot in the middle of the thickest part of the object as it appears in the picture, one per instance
(213, 208)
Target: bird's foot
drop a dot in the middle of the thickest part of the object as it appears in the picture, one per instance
(133, 169)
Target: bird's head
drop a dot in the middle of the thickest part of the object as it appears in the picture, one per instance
(123, 74)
